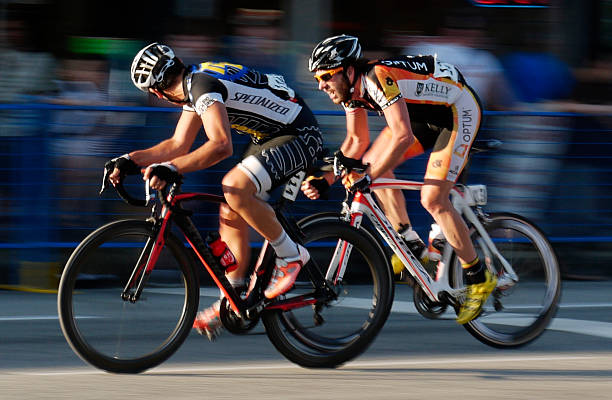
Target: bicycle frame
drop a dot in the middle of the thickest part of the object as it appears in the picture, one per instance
(463, 200)
(246, 308)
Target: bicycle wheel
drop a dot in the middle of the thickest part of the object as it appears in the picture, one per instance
(331, 334)
(119, 335)
(516, 315)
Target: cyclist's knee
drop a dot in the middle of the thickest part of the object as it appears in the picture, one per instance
(237, 188)
(434, 200)
(230, 218)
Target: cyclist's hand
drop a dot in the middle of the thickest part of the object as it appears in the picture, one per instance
(120, 167)
(161, 174)
(356, 181)
(315, 187)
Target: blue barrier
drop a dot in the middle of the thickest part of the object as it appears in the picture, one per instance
(548, 169)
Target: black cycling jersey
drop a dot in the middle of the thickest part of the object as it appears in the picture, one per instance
(260, 105)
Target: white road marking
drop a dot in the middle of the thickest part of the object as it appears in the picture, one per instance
(450, 361)
(582, 327)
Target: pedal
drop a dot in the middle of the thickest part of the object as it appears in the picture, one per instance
(497, 304)
(316, 316)
(405, 278)
(318, 319)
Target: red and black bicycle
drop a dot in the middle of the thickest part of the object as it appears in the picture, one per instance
(130, 291)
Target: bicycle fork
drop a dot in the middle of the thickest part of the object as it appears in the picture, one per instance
(146, 261)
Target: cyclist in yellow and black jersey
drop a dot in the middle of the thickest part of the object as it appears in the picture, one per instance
(285, 138)
(427, 105)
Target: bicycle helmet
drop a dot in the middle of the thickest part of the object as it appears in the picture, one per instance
(333, 52)
(150, 65)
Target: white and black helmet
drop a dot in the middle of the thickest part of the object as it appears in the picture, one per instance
(334, 52)
(150, 65)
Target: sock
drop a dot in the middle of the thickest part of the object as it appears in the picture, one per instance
(285, 248)
(235, 283)
(408, 233)
(474, 272)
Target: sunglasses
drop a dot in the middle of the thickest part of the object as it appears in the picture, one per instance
(326, 75)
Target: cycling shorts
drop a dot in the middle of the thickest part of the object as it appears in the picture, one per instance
(273, 162)
(450, 147)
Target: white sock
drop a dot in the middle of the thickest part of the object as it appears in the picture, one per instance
(285, 247)
(409, 234)
(234, 282)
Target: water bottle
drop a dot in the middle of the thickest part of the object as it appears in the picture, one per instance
(220, 250)
(436, 243)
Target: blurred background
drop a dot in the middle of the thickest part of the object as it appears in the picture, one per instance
(542, 68)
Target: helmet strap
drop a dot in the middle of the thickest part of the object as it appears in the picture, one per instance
(351, 84)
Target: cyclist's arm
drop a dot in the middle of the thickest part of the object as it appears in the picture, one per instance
(357, 137)
(218, 146)
(402, 137)
(184, 135)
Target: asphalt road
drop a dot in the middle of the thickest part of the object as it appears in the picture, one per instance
(412, 358)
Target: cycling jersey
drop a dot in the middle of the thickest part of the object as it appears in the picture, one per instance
(259, 105)
(438, 100)
(285, 134)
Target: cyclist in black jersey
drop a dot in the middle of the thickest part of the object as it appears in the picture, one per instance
(427, 104)
(221, 97)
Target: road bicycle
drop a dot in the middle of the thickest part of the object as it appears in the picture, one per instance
(513, 248)
(129, 292)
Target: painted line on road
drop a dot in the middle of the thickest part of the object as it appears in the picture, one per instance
(350, 365)
(581, 327)
(41, 318)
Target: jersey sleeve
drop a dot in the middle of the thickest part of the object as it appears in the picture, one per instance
(204, 90)
(382, 86)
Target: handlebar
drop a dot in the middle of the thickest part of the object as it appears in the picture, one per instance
(342, 163)
(128, 198)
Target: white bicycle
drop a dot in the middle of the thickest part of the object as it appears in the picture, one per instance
(513, 248)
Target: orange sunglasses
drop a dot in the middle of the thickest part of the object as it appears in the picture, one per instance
(326, 75)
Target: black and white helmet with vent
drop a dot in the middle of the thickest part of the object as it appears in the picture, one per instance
(333, 52)
(150, 65)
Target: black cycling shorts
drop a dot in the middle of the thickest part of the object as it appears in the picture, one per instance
(272, 163)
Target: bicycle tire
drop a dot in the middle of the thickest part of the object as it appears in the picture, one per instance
(142, 334)
(353, 322)
(523, 311)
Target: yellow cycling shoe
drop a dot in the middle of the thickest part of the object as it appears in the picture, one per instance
(397, 264)
(477, 296)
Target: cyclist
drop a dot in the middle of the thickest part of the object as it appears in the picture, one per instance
(427, 105)
(285, 138)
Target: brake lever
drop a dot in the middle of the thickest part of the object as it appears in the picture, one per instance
(148, 195)
(107, 172)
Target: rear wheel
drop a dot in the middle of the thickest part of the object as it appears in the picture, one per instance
(516, 314)
(327, 335)
(119, 335)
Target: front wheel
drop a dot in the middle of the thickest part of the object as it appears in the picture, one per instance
(516, 314)
(327, 335)
(116, 334)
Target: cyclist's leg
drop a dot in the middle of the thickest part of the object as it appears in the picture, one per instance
(435, 199)
(270, 165)
(446, 162)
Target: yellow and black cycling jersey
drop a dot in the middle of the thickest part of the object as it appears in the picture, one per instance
(260, 105)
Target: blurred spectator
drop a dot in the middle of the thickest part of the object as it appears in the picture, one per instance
(74, 134)
(24, 69)
(194, 48)
(539, 76)
(463, 41)
(82, 82)
(257, 39)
